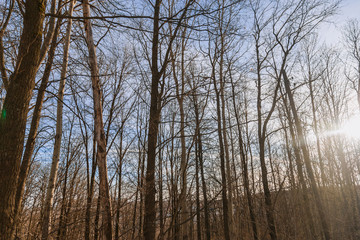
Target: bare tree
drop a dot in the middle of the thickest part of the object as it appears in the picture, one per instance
(14, 111)
(59, 124)
(155, 111)
(98, 124)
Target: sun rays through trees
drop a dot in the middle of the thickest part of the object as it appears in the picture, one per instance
(178, 120)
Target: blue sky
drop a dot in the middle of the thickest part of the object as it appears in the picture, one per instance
(331, 32)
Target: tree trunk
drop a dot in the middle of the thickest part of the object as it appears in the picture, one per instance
(261, 134)
(14, 112)
(161, 202)
(62, 224)
(149, 227)
(49, 35)
(97, 219)
(315, 122)
(299, 166)
(59, 123)
(99, 125)
(118, 205)
(224, 184)
(30, 142)
(180, 85)
(307, 160)
(90, 192)
(198, 216)
(244, 165)
(201, 165)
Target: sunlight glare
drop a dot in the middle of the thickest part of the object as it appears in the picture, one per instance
(351, 128)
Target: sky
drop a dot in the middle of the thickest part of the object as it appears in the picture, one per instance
(331, 32)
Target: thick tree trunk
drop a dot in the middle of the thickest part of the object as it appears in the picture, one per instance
(14, 112)
(99, 125)
(30, 142)
(149, 227)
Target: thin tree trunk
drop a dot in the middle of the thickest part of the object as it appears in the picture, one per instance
(299, 166)
(307, 161)
(290, 158)
(173, 183)
(4, 24)
(149, 227)
(142, 200)
(224, 184)
(261, 134)
(59, 119)
(97, 219)
(136, 196)
(98, 124)
(226, 144)
(161, 202)
(49, 35)
(62, 225)
(184, 215)
(315, 122)
(31, 218)
(118, 205)
(244, 165)
(90, 192)
(198, 216)
(201, 162)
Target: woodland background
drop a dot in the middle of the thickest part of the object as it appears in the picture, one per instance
(164, 119)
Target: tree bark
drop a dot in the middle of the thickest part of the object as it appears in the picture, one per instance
(118, 204)
(180, 86)
(49, 35)
(264, 172)
(30, 142)
(98, 123)
(59, 123)
(14, 112)
(149, 226)
(224, 184)
(203, 183)
(90, 192)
